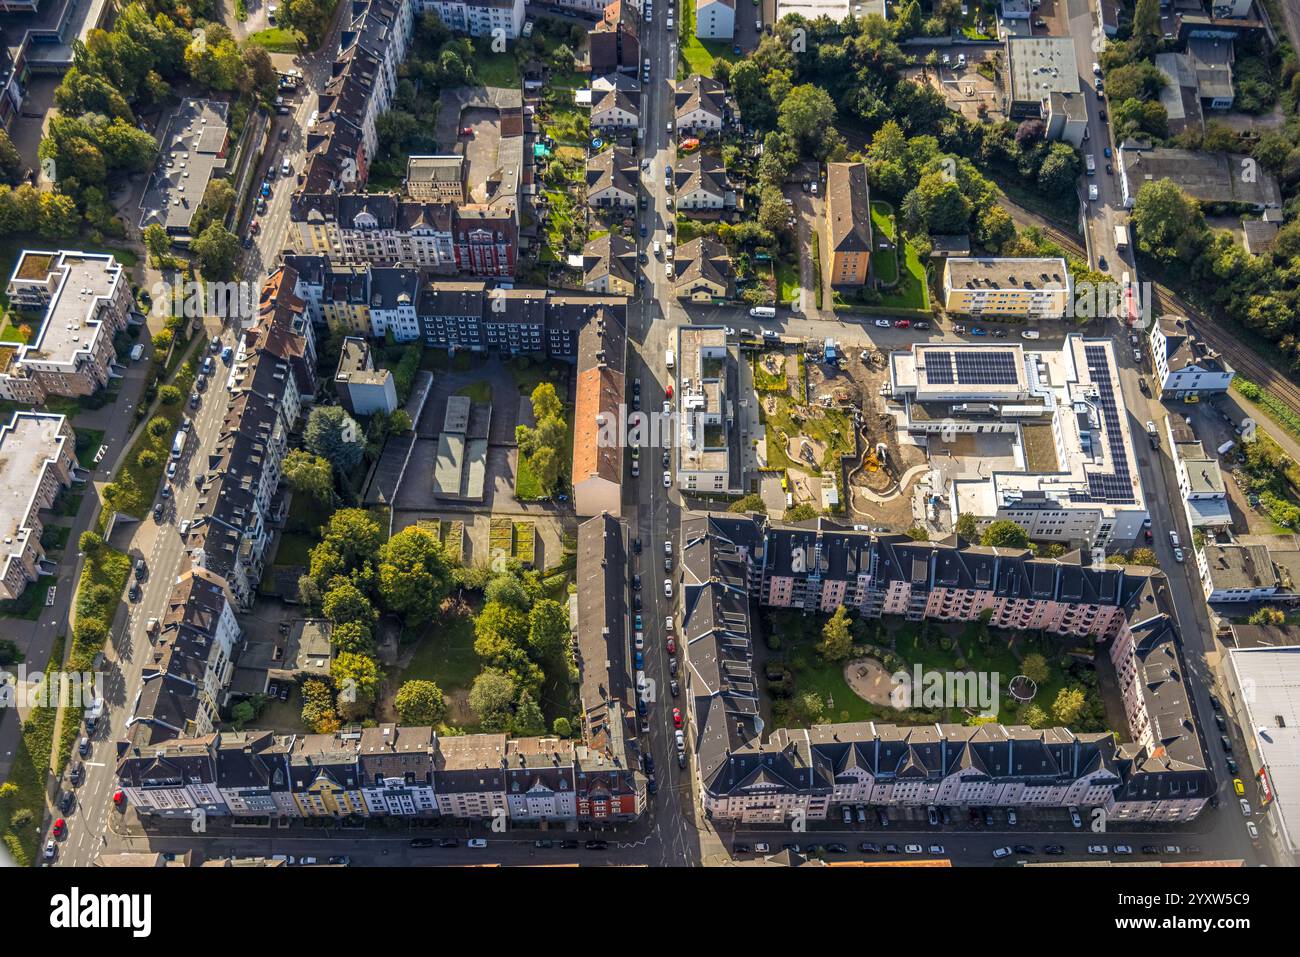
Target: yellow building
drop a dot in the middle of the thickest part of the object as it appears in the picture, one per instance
(848, 223)
(1032, 288)
(323, 777)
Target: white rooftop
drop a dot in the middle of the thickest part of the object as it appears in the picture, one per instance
(81, 281)
(27, 442)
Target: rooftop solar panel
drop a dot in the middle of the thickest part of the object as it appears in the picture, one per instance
(986, 368)
(938, 368)
(1116, 487)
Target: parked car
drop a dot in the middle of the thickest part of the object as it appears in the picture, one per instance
(883, 323)
(421, 842)
(1075, 819)
(1001, 852)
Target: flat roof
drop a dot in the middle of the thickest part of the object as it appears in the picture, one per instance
(1040, 66)
(1206, 177)
(27, 443)
(69, 325)
(191, 149)
(1271, 720)
(1050, 275)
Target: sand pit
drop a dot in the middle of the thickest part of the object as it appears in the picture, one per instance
(869, 680)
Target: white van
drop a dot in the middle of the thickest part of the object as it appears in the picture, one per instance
(137, 351)
(668, 358)
(178, 445)
(1029, 334)
(763, 312)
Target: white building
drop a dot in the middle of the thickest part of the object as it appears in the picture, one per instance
(479, 18)
(715, 19)
(709, 445)
(1040, 438)
(1185, 366)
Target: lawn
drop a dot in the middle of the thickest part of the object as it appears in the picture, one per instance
(497, 69)
(528, 487)
(698, 55)
(787, 277)
(55, 537)
(28, 776)
(294, 549)
(911, 292)
(445, 655)
(88, 442)
(885, 261)
(279, 40)
(561, 222)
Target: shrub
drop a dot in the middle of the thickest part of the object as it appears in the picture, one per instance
(169, 395)
(90, 542)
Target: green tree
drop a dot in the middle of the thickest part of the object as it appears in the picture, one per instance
(159, 426)
(1005, 533)
(801, 512)
(1146, 19)
(354, 636)
(90, 543)
(169, 395)
(357, 679)
(1168, 224)
(1034, 667)
(967, 527)
(497, 630)
(1144, 556)
(837, 637)
(749, 503)
(89, 631)
(318, 707)
(242, 713)
(548, 631)
(546, 403)
(311, 475)
(345, 603)
(157, 243)
(492, 698)
(807, 116)
(1060, 170)
(1068, 706)
(335, 436)
(562, 727)
(420, 702)
(414, 576)
(217, 252)
(1034, 716)
(147, 459)
(506, 589)
(528, 718)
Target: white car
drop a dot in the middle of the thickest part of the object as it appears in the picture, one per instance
(1123, 849)
(49, 595)
(1011, 818)
(1074, 817)
(668, 480)
(640, 641)
(668, 588)
(1252, 830)
(1001, 852)
(913, 848)
(1245, 807)
(285, 168)
(668, 547)
(1098, 849)
(680, 739)
(668, 407)
(670, 21)
(1178, 555)
(761, 848)
(477, 842)
(668, 623)
(936, 848)
(884, 323)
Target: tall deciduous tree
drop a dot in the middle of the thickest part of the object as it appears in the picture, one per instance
(414, 576)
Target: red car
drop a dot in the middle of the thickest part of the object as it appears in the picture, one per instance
(672, 646)
(1148, 534)
(119, 799)
(60, 826)
(255, 227)
(677, 717)
(902, 324)
(467, 131)
(668, 392)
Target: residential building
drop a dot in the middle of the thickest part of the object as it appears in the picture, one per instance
(837, 10)
(362, 389)
(700, 182)
(1200, 479)
(709, 450)
(1046, 439)
(1032, 288)
(393, 291)
(614, 110)
(252, 774)
(599, 446)
(1259, 235)
(479, 18)
(436, 179)
(1252, 568)
(470, 775)
(1185, 366)
(191, 151)
(37, 461)
(715, 19)
(609, 265)
(1262, 687)
(1205, 177)
(727, 559)
(700, 104)
(1036, 68)
(612, 179)
(395, 766)
(613, 44)
(324, 776)
(848, 223)
(173, 777)
(702, 271)
(539, 780)
(84, 301)
(609, 784)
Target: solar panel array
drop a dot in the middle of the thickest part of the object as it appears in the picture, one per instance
(986, 368)
(938, 368)
(1117, 487)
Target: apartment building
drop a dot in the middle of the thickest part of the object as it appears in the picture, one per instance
(1250, 568)
(252, 773)
(715, 19)
(83, 300)
(597, 473)
(470, 772)
(37, 460)
(1186, 367)
(479, 18)
(436, 179)
(190, 664)
(1200, 479)
(614, 44)
(362, 389)
(727, 558)
(1040, 438)
(1030, 288)
(709, 448)
(395, 765)
(848, 223)
(609, 783)
(325, 776)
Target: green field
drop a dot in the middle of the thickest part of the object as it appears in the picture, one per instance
(787, 277)
(698, 55)
(885, 261)
(445, 655)
(480, 392)
(279, 40)
(911, 292)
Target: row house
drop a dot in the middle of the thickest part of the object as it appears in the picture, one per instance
(612, 179)
(609, 265)
(701, 182)
(479, 18)
(37, 461)
(614, 110)
(396, 771)
(700, 104)
(613, 44)
(1162, 776)
(84, 300)
(190, 661)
